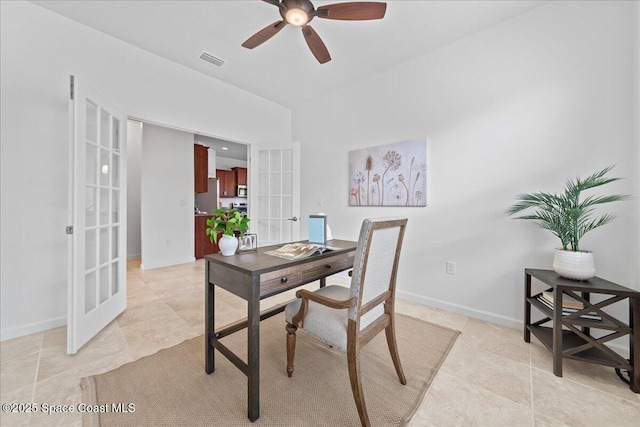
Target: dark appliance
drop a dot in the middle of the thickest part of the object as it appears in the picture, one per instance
(208, 202)
(241, 206)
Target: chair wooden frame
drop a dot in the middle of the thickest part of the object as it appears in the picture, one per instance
(356, 338)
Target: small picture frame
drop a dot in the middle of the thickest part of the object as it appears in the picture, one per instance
(247, 243)
(318, 229)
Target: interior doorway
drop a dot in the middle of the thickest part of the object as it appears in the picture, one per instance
(161, 189)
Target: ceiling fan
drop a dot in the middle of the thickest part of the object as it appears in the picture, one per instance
(301, 12)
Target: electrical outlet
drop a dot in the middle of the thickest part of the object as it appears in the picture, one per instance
(451, 267)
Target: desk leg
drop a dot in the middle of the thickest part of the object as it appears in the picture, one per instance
(209, 301)
(527, 307)
(253, 356)
(634, 343)
(585, 329)
(557, 332)
(323, 282)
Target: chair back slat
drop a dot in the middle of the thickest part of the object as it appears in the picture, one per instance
(376, 262)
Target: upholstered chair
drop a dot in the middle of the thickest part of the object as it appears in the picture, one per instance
(348, 318)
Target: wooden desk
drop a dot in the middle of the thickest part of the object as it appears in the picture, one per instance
(254, 276)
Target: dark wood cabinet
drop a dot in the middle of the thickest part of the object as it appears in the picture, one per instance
(203, 246)
(241, 175)
(569, 335)
(226, 182)
(200, 168)
(222, 182)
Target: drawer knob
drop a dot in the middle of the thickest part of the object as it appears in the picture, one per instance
(284, 279)
(328, 266)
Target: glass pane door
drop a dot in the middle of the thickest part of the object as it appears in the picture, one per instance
(97, 287)
(277, 194)
(102, 188)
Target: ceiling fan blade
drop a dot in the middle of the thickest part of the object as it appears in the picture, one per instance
(316, 44)
(264, 34)
(356, 11)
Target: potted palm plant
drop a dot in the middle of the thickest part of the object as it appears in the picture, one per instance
(569, 218)
(227, 223)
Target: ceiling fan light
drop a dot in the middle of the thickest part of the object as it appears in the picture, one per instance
(296, 16)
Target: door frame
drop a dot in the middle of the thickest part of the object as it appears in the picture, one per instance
(143, 120)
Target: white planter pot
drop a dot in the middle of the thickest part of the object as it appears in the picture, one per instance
(574, 265)
(228, 245)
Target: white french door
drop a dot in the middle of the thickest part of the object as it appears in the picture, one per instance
(274, 189)
(97, 214)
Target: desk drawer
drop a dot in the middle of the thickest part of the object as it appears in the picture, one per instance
(324, 267)
(275, 281)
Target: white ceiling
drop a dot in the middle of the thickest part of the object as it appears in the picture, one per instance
(283, 69)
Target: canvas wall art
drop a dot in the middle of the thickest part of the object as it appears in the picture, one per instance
(389, 175)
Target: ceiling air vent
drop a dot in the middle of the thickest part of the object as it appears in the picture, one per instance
(207, 57)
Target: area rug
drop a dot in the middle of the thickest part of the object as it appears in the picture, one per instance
(171, 388)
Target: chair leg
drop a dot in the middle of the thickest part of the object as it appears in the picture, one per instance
(353, 361)
(390, 332)
(291, 347)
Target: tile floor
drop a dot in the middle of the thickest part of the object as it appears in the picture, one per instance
(490, 378)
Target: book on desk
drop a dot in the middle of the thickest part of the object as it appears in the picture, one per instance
(298, 250)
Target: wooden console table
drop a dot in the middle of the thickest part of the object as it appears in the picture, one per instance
(255, 276)
(575, 342)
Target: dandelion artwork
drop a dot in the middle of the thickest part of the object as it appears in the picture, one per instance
(389, 175)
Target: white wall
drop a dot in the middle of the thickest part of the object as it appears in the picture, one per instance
(166, 197)
(519, 107)
(39, 50)
(212, 163)
(134, 152)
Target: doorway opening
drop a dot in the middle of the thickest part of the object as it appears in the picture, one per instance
(161, 196)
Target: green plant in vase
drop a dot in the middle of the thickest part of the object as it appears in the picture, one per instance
(227, 223)
(569, 218)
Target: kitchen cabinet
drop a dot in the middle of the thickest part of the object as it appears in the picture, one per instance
(203, 246)
(241, 175)
(226, 182)
(200, 168)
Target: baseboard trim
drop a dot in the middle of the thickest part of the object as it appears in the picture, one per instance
(169, 263)
(513, 323)
(134, 256)
(461, 309)
(32, 328)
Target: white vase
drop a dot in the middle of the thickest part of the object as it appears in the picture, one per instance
(228, 245)
(574, 265)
